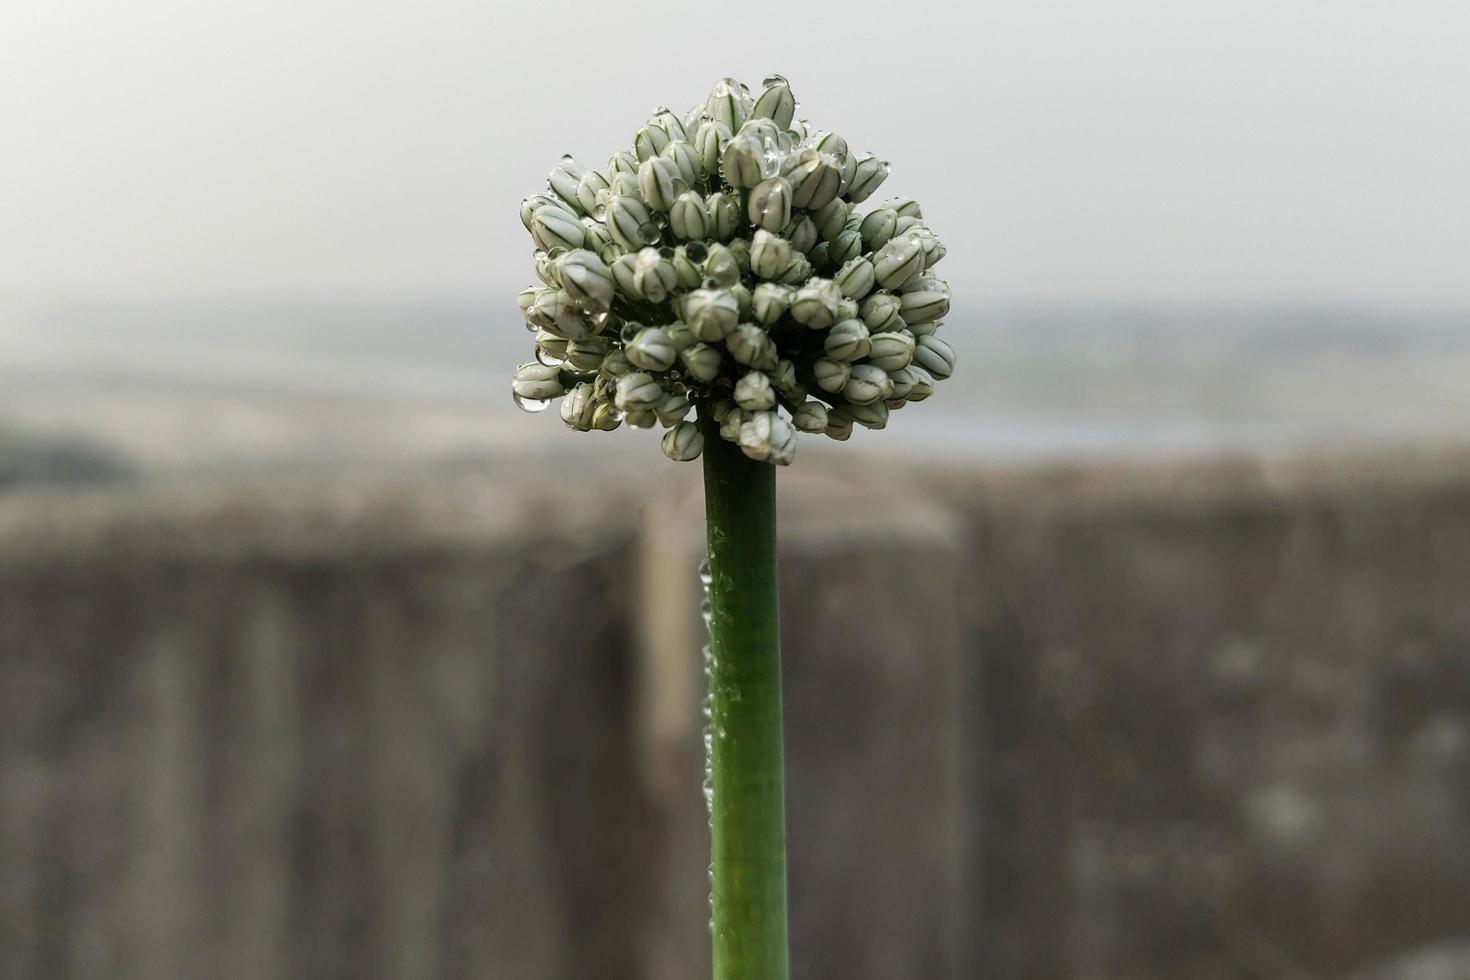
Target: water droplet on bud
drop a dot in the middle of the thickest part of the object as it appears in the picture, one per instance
(532, 405)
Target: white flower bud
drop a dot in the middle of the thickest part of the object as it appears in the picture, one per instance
(641, 418)
(870, 173)
(867, 384)
(769, 438)
(728, 103)
(672, 410)
(815, 304)
(801, 233)
(847, 341)
(556, 312)
(810, 417)
(630, 223)
(831, 374)
(685, 269)
(556, 228)
(768, 135)
(752, 346)
(681, 336)
(600, 242)
(551, 345)
(904, 379)
(669, 122)
(872, 416)
(934, 356)
(623, 185)
(830, 220)
(688, 218)
(815, 180)
(798, 271)
(625, 274)
(880, 312)
(741, 292)
(924, 301)
(770, 301)
(730, 424)
(742, 161)
(753, 392)
(606, 417)
(615, 365)
(877, 227)
(724, 216)
(651, 349)
(783, 379)
(839, 425)
(847, 246)
(923, 383)
(683, 156)
(683, 443)
(587, 355)
(586, 279)
(831, 143)
(856, 278)
(769, 254)
(650, 141)
(589, 187)
(537, 382)
(564, 179)
(721, 265)
(891, 351)
(711, 313)
(660, 181)
(535, 203)
(847, 309)
(622, 162)
(637, 392)
(546, 269)
(770, 204)
(702, 362)
(905, 207)
(709, 145)
(654, 275)
(776, 103)
(577, 408)
(898, 262)
(526, 299)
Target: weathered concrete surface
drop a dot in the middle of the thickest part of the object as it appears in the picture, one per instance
(1153, 723)
(1226, 718)
(344, 730)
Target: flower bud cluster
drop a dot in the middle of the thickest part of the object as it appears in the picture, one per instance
(721, 267)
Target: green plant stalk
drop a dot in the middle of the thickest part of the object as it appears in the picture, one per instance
(747, 814)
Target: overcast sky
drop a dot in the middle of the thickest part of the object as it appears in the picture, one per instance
(1135, 150)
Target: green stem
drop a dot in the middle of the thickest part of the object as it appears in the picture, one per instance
(747, 816)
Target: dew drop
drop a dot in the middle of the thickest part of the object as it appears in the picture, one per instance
(566, 158)
(532, 405)
(705, 575)
(548, 359)
(648, 231)
(770, 80)
(706, 611)
(600, 211)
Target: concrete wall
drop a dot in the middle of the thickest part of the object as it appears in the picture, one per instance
(1178, 722)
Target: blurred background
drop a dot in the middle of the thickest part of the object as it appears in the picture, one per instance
(1142, 650)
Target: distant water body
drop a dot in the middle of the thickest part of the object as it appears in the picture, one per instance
(1031, 383)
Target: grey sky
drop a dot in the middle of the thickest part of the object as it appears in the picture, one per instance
(1130, 150)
